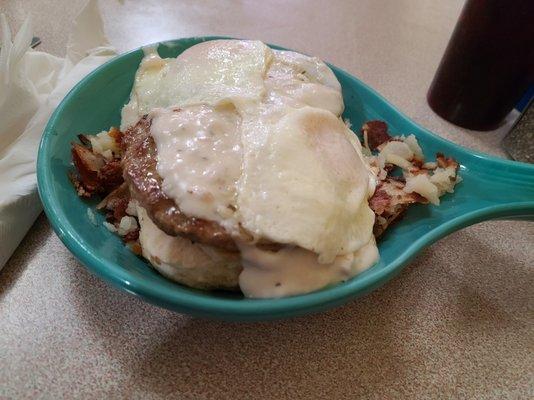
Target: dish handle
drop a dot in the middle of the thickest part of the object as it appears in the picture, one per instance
(499, 189)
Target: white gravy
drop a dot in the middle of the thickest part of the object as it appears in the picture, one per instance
(199, 158)
(293, 270)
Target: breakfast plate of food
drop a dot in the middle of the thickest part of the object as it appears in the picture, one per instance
(233, 179)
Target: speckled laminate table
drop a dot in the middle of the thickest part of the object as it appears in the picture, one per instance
(456, 323)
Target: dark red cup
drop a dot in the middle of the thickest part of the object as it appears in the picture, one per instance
(488, 64)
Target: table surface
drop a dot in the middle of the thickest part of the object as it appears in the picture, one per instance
(456, 323)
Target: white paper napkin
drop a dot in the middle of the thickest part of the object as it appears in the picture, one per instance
(32, 84)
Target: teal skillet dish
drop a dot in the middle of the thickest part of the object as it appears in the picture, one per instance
(491, 188)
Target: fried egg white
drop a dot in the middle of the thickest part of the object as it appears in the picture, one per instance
(252, 138)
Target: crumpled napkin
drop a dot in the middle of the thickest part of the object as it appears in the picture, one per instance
(32, 84)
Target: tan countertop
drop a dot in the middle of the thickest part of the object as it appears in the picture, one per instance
(456, 323)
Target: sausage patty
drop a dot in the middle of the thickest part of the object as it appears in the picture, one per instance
(140, 173)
